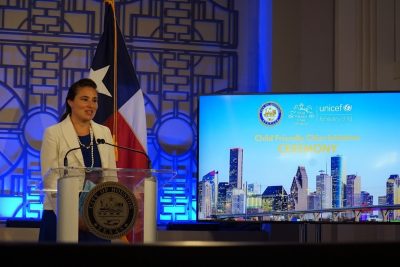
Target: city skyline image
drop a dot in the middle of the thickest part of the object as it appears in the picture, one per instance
(278, 133)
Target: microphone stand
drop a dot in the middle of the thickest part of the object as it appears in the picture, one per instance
(66, 159)
(102, 141)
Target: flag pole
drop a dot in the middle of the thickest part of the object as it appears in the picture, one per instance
(115, 89)
(115, 74)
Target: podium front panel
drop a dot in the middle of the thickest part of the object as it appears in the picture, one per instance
(116, 204)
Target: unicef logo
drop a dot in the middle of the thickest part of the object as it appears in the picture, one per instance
(270, 113)
(347, 107)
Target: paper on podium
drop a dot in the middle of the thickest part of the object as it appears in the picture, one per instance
(88, 185)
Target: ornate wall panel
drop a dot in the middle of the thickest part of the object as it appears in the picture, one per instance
(180, 49)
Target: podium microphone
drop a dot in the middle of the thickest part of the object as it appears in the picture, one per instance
(102, 141)
(66, 154)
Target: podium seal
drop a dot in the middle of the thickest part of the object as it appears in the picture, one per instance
(110, 210)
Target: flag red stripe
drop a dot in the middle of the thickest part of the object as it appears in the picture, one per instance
(126, 138)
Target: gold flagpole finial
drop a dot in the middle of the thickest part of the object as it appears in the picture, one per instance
(112, 2)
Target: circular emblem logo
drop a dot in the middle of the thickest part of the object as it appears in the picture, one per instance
(110, 210)
(270, 113)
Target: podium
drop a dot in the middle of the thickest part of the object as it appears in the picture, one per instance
(109, 202)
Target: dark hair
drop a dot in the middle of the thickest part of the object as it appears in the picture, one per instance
(73, 90)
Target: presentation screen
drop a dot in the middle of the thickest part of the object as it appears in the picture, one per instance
(331, 157)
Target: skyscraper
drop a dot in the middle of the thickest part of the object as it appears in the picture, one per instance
(337, 183)
(236, 168)
(222, 200)
(208, 193)
(275, 198)
(353, 191)
(299, 189)
(393, 194)
(324, 189)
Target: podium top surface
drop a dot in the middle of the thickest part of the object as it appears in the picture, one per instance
(125, 176)
(65, 172)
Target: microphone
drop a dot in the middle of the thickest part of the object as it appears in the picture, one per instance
(102, 141)
(66, 154)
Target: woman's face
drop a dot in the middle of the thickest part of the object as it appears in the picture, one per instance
(84, 105)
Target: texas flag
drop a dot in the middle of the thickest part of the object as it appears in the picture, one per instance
(121, 103)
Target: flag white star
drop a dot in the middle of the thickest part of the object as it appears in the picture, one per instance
(97, 76)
